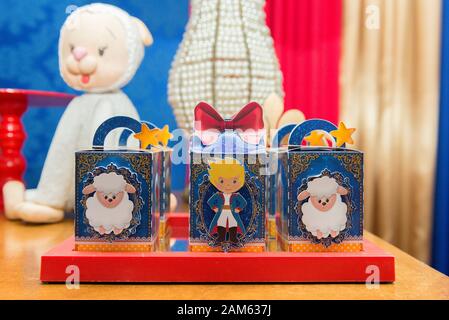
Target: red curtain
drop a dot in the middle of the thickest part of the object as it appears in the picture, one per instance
(307, 37)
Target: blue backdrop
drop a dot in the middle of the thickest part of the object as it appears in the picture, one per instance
(441, 213)
(28, 59)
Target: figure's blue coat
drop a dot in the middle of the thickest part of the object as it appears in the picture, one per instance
(236, 201)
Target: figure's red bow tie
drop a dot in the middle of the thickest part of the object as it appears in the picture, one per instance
(248, 123)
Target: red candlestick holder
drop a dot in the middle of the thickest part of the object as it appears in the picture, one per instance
(13, 104)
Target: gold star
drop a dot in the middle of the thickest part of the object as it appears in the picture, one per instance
(343, 134)
(164, 135)
(315, 139)
(147, 136)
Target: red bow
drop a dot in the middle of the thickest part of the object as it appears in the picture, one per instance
(209, 123)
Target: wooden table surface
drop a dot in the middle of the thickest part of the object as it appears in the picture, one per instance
(22, 245)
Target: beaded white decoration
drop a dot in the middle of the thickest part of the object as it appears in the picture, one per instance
(226, 58)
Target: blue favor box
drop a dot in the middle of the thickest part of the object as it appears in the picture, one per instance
(319, 194)
(117, 194)
(227, 186)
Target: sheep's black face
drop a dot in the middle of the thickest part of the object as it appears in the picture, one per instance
(110, 200)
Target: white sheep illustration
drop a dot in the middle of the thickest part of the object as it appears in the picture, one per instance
(109, 209)
(324, 213)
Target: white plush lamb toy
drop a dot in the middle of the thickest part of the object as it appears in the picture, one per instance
(100, 49)
(109, 209)
(324, 213)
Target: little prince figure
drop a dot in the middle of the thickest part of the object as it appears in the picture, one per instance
(228, 176)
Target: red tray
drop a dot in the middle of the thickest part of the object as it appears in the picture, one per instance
(183, 266)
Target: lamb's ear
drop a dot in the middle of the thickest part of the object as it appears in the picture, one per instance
(129, 188)
(145, 34)
(303, 195)
(342, 191)
(88, 189)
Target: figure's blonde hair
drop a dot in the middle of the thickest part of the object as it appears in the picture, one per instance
(226, 168)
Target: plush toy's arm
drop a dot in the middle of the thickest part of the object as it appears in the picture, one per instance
(59, 164)
(106, 109)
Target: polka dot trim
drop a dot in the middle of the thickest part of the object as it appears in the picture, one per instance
(311, 247)
(114, 247)
(206, 248)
